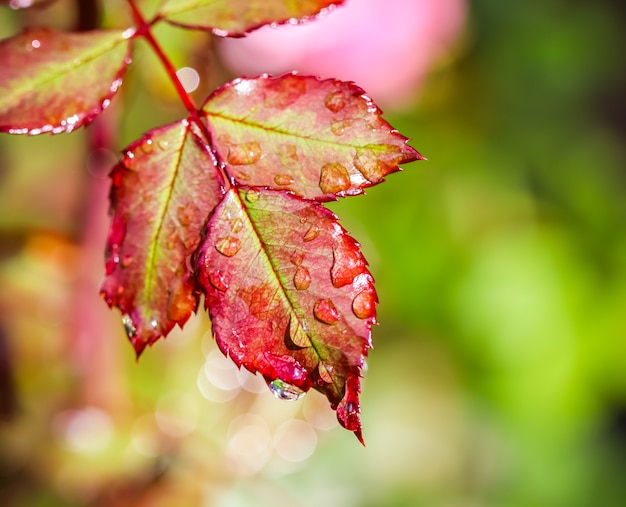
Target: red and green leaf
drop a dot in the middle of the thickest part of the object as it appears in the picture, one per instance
(162, 194)
(289, 295)
(318, 138)
(236, 17)
(52, 81)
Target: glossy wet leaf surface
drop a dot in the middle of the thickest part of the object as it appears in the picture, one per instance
(162, 193)
(235, 17)
(52, 81)
(318, 138)
(289, 295)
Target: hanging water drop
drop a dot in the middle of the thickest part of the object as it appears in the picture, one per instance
(129, 326)
(285, 391)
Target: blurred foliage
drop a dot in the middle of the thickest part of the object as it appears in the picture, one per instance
(498, 376)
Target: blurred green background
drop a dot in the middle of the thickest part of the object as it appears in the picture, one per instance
(498, 376)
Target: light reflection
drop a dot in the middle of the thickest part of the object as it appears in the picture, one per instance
(295, 440)
(87, 430)
(189, 78)
(249, 444)
(177, 414)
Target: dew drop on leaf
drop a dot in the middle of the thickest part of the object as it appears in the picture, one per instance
(163, 144)
(185, 216)
(312, 233)
(244, 153)
(347, 264)
(228, 246)
(252, 195)
(334, 178)
(324, 310)
(338, 127)
(297, 257)
(283, 179)
(364, 305)
(147, 146)
(284, 391)
(129, 327)
(154, 323)
(217, 280)
(335, 101)
(237, 225)
(302, 278)
(326, 371)
(297, 333)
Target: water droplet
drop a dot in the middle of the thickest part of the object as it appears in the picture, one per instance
(283, 179)
(228, 246)
(364, 304)
(129, 326)
(335, 101)
(185, 215)
(242, 176)
(244, 153)
(237, 225)
(312, 233)
(154, 323)
(252, 195)
(147, 146)
(297, 257)
(297, 334)
(284, 391)
(372, 165)
(325, 311)
(126, 261)
(302, 278)
(326, 371)
(347, 262)
(338, 127)
(217, 280)
(163, 144)
(288, 154)
(334, 178)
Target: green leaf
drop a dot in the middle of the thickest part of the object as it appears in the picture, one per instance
(289, 295)
(236, 17)
(318, 138)
(162, 193)
(51, 81)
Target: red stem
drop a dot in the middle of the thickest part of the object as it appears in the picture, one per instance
(195, 115)
(143, 30)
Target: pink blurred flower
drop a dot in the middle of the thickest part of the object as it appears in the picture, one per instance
(385, 46)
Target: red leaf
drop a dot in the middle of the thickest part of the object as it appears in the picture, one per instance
(232, 18)
(289, 295)
(317, 138)
(52, 81)
(162, 193)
